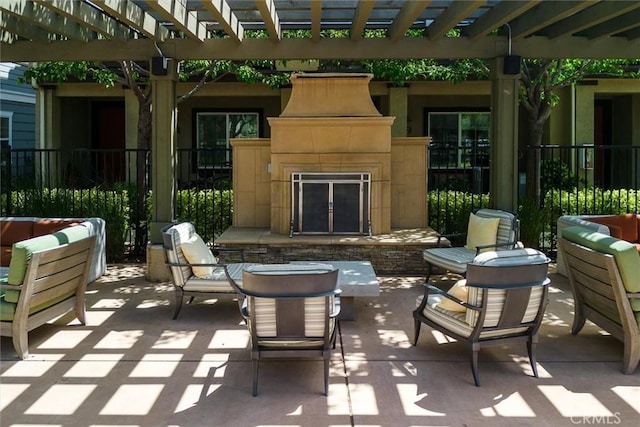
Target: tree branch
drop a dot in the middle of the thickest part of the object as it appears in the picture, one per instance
(203, 81)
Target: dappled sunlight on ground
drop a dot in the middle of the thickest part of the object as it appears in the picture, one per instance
(131, 364)
(120, 272)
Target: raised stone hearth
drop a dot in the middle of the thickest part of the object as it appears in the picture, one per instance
(398, 252)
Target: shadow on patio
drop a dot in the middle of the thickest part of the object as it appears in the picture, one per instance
(131, 364)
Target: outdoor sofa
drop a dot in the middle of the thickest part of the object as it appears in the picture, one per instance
(625, 227)
(18, 229)
(46, 278)
(604, 273)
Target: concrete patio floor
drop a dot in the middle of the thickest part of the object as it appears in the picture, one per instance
(132, 365)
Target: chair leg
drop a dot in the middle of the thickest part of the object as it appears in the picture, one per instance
(631, 354)
(531, 350)
(416, 330)
(255, 377)
(80, 310)
(179, 294)
(428, 275)
(475, 349)
(20, 340)
(578, 320)
(326, 372)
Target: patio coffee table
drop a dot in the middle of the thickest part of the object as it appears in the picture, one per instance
(355, 279)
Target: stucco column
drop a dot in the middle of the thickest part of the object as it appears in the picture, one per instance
(131, 130)
(584, 114)
(504, 137)
(47, 118)
(163, 148)
(131, 119)
(398, 107)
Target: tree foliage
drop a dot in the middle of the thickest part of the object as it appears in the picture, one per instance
(542, 78)
(540, 81)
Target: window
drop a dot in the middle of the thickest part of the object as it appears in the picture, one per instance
(5, 130)
(459, 140)
(214, 131)
(5, 144)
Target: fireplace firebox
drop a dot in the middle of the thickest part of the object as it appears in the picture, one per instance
(330, 203)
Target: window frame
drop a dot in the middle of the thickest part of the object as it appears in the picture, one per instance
(460, 146)
(227, 162)
(9, 139)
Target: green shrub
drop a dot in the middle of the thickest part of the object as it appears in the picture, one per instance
(592, 201)
(534, 220)
(555, 174)
(211, 211)
(449, 210)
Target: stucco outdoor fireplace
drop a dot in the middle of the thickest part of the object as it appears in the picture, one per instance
(330, 166)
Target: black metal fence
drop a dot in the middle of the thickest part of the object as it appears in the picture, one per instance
(114, 184)
(574, 180)
(81, 183)
(204, 193)
(596, 170)
(97, 182)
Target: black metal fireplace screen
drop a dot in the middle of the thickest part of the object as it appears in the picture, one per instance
(330, 203)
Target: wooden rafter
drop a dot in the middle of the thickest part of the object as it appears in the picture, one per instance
(13, 25)
(406, 16)
(363, 11)
(138, 19)
(451, 17)
(226, 18)
(46, 19)
(540, 17)
(496, 17)
(270, 18)
(176, 13)
(89, 17)
(316, 17)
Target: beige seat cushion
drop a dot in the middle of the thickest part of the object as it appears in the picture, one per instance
(196, 251)
(481, 232)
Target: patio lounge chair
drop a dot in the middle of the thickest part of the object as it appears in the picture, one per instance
(291, 311)
(488, 229)
(503, 299)
(195, 270)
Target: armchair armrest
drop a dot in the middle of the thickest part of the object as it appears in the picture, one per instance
(189, 264)
(510, 245)
(7, 287)
(449, 237)
(435, 290)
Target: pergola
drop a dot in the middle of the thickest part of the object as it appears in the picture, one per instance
(114, 30)
(46, 30)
